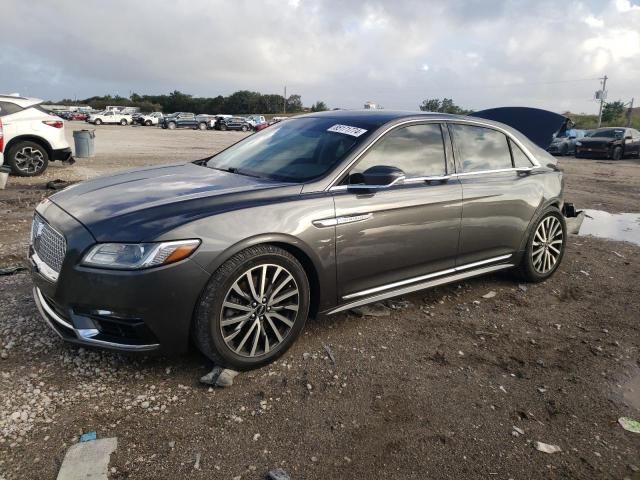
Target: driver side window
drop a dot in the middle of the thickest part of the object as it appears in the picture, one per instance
(417, 150)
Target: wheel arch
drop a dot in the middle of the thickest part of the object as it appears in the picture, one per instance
(30, 138)
(299, 249)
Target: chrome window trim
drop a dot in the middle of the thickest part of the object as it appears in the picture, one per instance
(443, 122)
(390, 286)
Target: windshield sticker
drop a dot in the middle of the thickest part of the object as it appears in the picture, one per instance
(347, 130)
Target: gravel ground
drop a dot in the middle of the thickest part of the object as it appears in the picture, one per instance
(441, 384)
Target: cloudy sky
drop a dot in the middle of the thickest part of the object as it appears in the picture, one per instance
(481, 53)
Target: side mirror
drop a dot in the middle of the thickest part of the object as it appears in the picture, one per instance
(376, 178)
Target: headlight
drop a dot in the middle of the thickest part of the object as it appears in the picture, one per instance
(134, 256)
(579, 144)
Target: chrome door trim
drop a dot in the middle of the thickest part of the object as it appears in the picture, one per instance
(332, 222)
(421, 286)
(428, 276)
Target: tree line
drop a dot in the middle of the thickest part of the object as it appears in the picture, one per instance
(240, 102)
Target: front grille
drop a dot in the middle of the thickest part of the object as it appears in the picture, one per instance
(49, 244)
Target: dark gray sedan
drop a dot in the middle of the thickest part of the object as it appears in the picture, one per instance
(312, 216)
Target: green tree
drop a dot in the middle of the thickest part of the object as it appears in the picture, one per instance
(612, 111)
(430, 105)
(294, 104)
(445, 105)
(319, 106)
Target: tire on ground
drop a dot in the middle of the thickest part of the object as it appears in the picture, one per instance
(206, 329)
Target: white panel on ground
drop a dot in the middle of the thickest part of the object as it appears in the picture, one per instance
(88, 460)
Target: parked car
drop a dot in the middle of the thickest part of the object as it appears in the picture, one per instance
(260, 126)
(255, 120)
(150, 118)
(565, 144)
(30, 137)
(610, 142)
(212, 121)
(313, 216)
(179, 120)
(276, 120)
(233, 123)
(110, 117)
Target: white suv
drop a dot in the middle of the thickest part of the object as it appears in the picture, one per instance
(30, 137)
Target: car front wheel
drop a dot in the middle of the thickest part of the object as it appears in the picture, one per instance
(617, 153)
(98, 121)
(545, 247)
(253, 309)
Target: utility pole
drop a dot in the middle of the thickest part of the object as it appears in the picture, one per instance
(603, 95)
(629, 113)
(284, 103)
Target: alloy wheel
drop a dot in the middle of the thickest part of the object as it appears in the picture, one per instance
(547, 245)
(259, 310)
(29, 160)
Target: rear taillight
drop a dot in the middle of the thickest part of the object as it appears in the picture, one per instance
(54, 123)
(1, 137)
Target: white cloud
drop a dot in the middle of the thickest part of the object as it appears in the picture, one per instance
(480, 54)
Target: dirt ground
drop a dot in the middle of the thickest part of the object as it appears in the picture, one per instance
(434, 388)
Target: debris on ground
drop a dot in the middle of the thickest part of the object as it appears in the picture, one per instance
(397, 304)
(517, 431)
(277, 474)
(88, 437)
(57, 184)
(522, 287)
(219, 377)
(546, 448)
(196, 466)
(88, 460)
(629, 424)
(373, 310)
(490, 294)
(11, 270)
(327, 349)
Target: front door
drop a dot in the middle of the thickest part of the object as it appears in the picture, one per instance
(407, 230)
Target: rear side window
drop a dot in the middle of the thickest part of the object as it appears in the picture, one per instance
(481, 148)
(417, 150)
(7, 108)
(519, 157)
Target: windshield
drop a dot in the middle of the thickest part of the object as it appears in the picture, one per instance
(608, 133)
(297, 150)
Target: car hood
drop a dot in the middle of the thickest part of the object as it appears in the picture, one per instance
(143, 204)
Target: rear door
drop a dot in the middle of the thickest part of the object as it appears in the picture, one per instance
(498, 201)
(407, 230)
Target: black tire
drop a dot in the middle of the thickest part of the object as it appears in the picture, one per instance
(223, 127)
(98, 122)
(244, 128)
(202, 126)
(123, 122)
(147, 123)
(27, 159)
(617, 153)
(207, 330)
(172, 126)
(527, 270)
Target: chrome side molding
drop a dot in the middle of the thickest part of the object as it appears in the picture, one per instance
(332, 222)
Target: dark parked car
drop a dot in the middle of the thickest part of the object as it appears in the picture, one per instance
(565, 143)
(312, 216)
(611, 142)
(179, 120)
(233, 123)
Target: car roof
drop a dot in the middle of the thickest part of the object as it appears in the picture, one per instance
(23, 102)
(379, 117)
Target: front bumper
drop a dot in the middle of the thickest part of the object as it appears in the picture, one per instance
(588, 152)
(120, 310)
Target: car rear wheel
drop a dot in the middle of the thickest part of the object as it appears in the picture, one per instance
(223, 127)
(147, 123)
(545, 247)
(244, 128)
(123, 122)
(253, 309)
(616, 154)
(28, 159)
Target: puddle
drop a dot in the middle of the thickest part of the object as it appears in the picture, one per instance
(613, 226)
